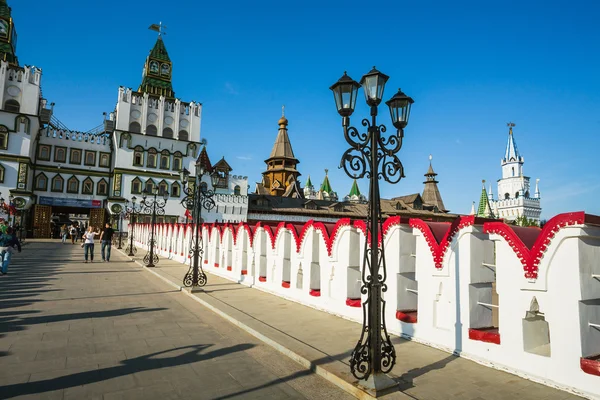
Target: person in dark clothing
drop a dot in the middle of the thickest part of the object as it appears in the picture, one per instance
(106, 242)
(8, 242)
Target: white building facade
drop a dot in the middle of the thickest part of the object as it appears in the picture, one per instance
(49, 170)
(515, 198)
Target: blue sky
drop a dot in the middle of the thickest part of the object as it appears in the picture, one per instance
(471, 66)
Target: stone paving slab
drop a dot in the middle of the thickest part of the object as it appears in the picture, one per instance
(70, 330)
(326, 341)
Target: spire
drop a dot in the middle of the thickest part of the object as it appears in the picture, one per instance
(354, 191)
(8, 35)
(308, 183)
(326, 186)
(472, 209)
(157, 71)
(484, 210)
(282, 147)
(431, 193)
(512, 153)
(537, 189)
(490, 194)
(204, 161)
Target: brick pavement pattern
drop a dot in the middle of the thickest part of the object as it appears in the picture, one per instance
(70, 330)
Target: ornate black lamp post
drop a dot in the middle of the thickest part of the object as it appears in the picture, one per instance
(118, 218)
(197, 197)
(373, 154)
(132, 211)
(152, 206)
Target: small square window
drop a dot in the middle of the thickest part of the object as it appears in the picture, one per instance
(60, 154)
(90, 158)
(75, 157)
(44, 153)
(104, 160)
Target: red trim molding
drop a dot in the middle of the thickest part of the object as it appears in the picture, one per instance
(244, 272)
(531, 256)
(285, 284)
(205, 261)
(216, 265)
(410, 317)
(488, 335)
(229, 268)
(591, 365)
(353, 302)
(262, 278)
(315, 292)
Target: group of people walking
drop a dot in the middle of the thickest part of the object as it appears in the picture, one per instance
(8, 244)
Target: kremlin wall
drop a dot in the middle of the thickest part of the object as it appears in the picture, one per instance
(521, 299)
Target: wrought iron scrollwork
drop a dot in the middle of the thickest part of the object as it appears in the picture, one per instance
(373, 155)
(197, 198)
(154, 207)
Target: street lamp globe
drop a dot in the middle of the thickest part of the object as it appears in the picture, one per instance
(373, 83)
(133, 200)
(399, 106)
(344, 93)
(214, 179)
(183, 175)
(165, 195)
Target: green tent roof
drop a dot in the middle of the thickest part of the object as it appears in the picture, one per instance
(484, 210)
(159, 51)
(308, 182)
(326, 186)
(354, 191)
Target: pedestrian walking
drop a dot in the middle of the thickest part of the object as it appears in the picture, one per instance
(88, 244)
(3, 227)
(106, 242)
(73, 232)
(8, 242)
(64, 233)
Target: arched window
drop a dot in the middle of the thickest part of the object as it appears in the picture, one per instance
(88, 186)
(506, 196)
(163, 187)
(138, 156)
(57, 183)
(183, 135)
(125, 140)
(1, 173)
(165, 159)
(60, 154)
(102, 188)
(175, 190)
(135, 127)
(177, 161)
(4, 140)
(527, 194)
(73, 185)
(151, 161)
(44, 152)
(12, 106)
(151, 130)
(136, 186)
(513, 171)
(41, 182)
(23, 123)
(516, 195)
(168, 133)
(149, 186)
(237, 190)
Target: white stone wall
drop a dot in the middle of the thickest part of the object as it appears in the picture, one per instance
(443, 294)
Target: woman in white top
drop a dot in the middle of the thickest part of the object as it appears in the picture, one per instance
(88, 244)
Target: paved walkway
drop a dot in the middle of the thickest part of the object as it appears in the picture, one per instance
(70, 330)
(326, 341)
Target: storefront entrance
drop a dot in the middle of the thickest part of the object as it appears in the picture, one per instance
(51, 213)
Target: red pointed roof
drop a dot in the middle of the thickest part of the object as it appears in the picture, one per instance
(204, 161)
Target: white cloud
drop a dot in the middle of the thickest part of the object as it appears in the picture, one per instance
(244, 158)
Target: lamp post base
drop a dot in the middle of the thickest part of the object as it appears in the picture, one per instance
(378, 384)
(196, 289)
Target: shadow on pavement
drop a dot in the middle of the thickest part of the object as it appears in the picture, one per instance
(130, 366)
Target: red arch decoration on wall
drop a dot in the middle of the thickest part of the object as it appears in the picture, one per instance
(530, 244)
(439, 235)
